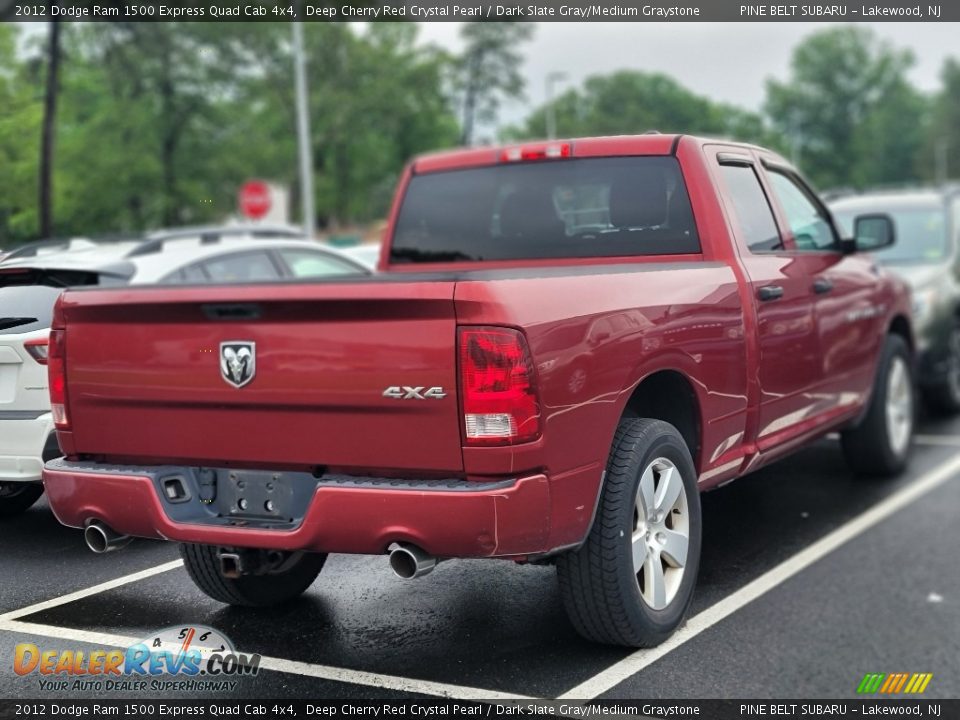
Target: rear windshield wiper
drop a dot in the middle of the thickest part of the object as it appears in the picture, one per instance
(7, 323)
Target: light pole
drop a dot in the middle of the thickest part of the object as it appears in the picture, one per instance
(941, 146)
(551, 79)
(303, 132)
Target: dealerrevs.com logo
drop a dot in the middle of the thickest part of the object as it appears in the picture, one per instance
(193, 658)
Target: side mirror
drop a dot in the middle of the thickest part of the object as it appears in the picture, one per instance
(870, 233)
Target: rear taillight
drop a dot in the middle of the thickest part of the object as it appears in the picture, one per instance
(497, 387)
(57, 373)
(37, 349)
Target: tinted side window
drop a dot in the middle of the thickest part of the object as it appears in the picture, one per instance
(753, 211)
(311, 264)
(188, 275)
(811, 230)
(241, 267)
(194, 274)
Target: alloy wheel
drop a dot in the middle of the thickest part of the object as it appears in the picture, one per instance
(661, 533)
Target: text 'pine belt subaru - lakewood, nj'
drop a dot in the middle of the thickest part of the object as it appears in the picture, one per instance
(567, 342)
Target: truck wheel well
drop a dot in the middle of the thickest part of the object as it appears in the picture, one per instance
(667, 395)
(900, 326)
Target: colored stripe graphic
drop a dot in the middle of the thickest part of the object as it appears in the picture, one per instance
(894, 683)
(914, 682)
(901, 682)
(871, 683)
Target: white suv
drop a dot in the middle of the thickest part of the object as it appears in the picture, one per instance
(27, 439)
(30, 287)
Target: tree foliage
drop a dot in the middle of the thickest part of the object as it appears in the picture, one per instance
(629, 101)
(848, 110)
(488, 71)
(159, 123)
(20, 123)
(943, 141)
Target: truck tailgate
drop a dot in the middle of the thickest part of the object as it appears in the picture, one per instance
(144, 375)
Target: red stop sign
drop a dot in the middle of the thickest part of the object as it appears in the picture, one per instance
(255, 199)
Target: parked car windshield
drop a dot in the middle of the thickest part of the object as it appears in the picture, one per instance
(921, 234)
(594, 207)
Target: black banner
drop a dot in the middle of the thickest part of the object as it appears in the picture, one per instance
(476, 10)
(666, 709)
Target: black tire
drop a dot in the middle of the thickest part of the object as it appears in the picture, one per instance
(18, 497)
(600, 589)
(943, 397)
(265, 590)
(869, 447)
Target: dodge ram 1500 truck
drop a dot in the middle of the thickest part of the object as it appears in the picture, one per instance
(567, 342)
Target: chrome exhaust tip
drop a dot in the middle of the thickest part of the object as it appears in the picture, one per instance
(408, 561)
(101, 539)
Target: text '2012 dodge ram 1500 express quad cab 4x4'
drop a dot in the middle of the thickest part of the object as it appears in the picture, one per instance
(567, 343)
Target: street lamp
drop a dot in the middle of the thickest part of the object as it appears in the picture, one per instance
(304, 149)
(551, 79)
(940, 148)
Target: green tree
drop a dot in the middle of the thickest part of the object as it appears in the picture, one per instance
(376, 99)
(629, 102)
(21, 112)
(488, 71)
(941, 155)
(843, 89)
(139, 133)
(158, 124)
(891, 137)
(48, 137)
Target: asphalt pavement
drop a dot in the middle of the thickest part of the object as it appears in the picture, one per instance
(810, 578)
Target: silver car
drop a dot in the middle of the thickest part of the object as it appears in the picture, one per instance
(926, 255)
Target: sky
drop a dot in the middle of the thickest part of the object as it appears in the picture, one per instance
(724, 61)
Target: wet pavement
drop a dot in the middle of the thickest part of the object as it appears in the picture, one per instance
(884, 599)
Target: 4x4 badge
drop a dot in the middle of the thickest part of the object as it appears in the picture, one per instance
(238, 362)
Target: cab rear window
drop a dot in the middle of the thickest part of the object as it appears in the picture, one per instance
(591, 207)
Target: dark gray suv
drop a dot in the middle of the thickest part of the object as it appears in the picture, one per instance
(927, 222)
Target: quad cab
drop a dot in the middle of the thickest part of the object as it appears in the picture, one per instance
(566, 344)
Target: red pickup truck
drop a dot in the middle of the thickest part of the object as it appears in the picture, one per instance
(567, 342)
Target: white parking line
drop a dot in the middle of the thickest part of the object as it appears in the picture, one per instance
(637, 661)
(947, 440)
(95, 590)
(292, 667)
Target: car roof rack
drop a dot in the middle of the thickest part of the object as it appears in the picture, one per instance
(31, 249)
(212, 235)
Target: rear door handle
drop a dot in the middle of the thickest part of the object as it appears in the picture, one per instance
(822, 285)
(770, 292)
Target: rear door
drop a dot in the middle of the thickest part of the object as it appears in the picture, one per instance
(789, 372)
